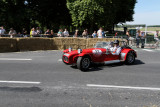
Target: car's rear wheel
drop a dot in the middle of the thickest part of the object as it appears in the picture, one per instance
(83, 63)
(130, 58)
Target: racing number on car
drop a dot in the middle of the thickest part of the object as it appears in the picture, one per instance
(97, 52)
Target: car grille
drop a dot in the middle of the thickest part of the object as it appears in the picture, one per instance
(65, 58)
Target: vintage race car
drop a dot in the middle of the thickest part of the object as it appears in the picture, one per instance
(83, 59)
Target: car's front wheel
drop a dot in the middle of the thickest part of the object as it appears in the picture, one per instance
(83, 63)
(130, 58)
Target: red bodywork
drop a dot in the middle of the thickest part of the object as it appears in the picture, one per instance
(97, 55)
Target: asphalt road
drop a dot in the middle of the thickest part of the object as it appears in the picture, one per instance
(40, 79)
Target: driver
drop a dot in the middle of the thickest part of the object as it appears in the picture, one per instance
(116, 49)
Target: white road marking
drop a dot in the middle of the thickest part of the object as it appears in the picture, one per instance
(59, 60)
(20, 82)
(148, 50)
(14, 59)
(124, 87)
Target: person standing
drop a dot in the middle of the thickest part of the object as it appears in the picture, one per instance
(156, 38)
(66, 33)
(24, 32)
(52, 34)
(94, 35)
(138, 38)
(48, 33)
(60, 33)
(12, 32)
(38, 30)
(142, 39)
(128, 36)
(76, 33)
(33, 32)
(2, 31)
(99, 32)
(84, 34)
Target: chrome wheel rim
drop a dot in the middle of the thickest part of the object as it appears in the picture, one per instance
(130, 58)
(85, 63)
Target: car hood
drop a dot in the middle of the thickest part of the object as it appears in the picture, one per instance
(91, 50)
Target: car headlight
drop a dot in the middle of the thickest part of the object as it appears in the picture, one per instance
(70, 49)
(79, 51)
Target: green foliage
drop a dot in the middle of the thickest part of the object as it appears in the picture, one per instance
(100, 12)
(83, 11)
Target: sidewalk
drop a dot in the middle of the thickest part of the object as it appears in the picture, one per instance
(147, 46)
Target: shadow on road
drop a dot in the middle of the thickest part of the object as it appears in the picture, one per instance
(21, 89)
(138, 62)
(99, 67)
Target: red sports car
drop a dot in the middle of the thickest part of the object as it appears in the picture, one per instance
(83, 59)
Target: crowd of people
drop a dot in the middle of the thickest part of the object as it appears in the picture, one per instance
(50, 33)
(140, 38)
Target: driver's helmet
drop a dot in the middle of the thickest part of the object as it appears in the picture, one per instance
(116, 42)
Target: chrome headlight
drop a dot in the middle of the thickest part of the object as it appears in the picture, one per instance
(79, 51)
(70, 49)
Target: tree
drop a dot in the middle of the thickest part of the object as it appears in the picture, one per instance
(49, 13)
(104, 13)
(13, 14)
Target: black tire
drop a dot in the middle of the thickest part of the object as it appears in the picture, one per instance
(130, 58)
(83, 63)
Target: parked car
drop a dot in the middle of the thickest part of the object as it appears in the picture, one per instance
(83, 59)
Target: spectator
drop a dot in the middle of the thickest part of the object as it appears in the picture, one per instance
(38, 31)
(76, 33)
(52, 34)
(138, 38)
(12, 32)
(33, 32)
(99, 32)
(66, 33)
(103, 33)
(24, 32)
(84, 34)
(94, 35)
(60, 33)
(142, 39)
(2, 31)
(48, 33)
(128, 36)
(156, 38)
(116, 34)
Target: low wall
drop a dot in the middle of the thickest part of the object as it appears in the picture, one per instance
(33, 44)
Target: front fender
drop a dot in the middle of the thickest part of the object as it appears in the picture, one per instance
(66, 51)
(85, 54)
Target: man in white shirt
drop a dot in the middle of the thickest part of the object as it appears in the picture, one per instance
(66, 33)
(116, 50)
(99, 32)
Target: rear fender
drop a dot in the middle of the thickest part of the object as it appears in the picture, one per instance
(124, 53)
